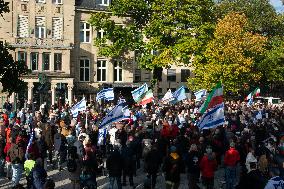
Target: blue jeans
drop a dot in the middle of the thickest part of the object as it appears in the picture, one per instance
(17, 170)
(231, 177)
(112, 180)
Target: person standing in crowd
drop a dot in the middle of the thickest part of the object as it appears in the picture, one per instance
(208, 166)
(2, 155)
(192, 162)
(8, 159)
(275, 181)
(28, 167)
(172, 168)
(114, 166)
(232, 157)
(39, 175)
(254, 179)
(152, 163)
(16, 154)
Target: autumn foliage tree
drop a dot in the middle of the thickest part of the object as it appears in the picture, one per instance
(230, 56)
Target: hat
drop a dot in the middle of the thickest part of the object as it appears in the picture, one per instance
(173, 149)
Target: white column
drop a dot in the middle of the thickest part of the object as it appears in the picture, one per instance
(52, 88)
(70, 93)
(30, 91)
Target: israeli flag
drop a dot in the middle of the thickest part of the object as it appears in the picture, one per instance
(212, 118)
(138, 93)
(102, 136)
(106, 94)
(179, 95)
(250, 102)
(80, 106)
(118, 113)
(199, 94)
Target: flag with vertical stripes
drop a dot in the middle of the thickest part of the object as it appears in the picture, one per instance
(213, 99)
(137, 94)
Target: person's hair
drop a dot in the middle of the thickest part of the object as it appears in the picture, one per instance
(18, 186)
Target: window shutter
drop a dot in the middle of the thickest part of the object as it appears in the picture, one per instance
(23, 26)
(57, 28)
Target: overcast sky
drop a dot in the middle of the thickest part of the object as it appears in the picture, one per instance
(278, 5)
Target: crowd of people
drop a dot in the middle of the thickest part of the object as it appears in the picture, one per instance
(157, 139)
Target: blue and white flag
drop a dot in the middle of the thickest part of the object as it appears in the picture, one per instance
(102, 136)
(118, 113)
(106, 94)
(80, 106)
(138, 93)
(29, 144)
(212, 118)
(168, 97)
(179, 95)
(199, 94)
(250, 102)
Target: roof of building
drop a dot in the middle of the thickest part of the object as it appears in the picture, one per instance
(90, 4)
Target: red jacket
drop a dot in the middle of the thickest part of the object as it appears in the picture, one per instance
(6, 149)
(208, 167)
(232, 157)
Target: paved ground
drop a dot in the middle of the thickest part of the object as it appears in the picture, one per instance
(62, 181)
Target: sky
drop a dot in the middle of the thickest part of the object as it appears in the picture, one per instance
(278, 5)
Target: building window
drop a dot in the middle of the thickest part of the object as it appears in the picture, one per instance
(45, 61)
(147, 75)
(101, 33)
(104, 2)
(117, 71)
(84, 70)
(40, 27)
(41, 1)
(57, 26)
(23, 26)
(137, 75)
(185, 74)
(171, 75)
(85, 32)
(101, 70)
(34, 61)
(58, 2)
(22, 56)
(57, 61)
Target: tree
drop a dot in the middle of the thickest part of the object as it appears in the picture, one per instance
(230, 57)
(161, 32)
(10, 70)
(262, 16)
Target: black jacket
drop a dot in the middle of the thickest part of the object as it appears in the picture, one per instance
(152, 160)
(192, 162)
(114, 164)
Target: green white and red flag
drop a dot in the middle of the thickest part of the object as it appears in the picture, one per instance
(254, 93)
(214, 98)
(147, 98)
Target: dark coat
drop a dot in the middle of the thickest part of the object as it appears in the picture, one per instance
(172, 167)
(114, 164)
(253, 179)
(152, 161)
(38, 177)
(192, 162)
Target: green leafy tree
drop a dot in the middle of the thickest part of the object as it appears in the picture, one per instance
(262, 16)
(10, 70)
(229, 57)
(173, 29)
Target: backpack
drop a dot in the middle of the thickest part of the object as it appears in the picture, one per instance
(71, 165)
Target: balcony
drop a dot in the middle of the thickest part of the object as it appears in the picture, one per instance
(45, 43)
